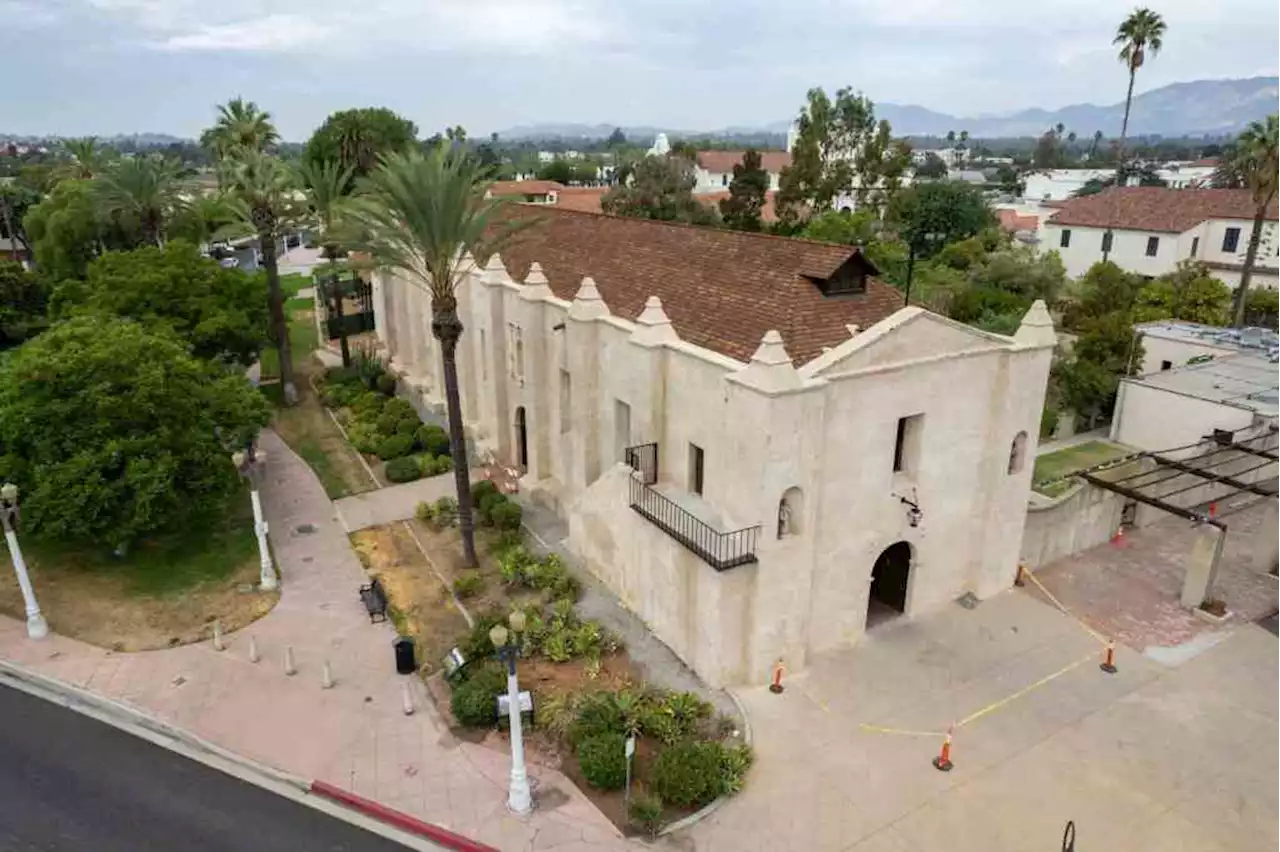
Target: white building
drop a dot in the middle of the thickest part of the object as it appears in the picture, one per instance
(1195, 379)
(661, 146)
(1154, 228)
(801, 453)
(1062, 184)
(714, 169)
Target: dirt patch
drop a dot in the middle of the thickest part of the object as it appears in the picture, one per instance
(104, 607)
(422, 605)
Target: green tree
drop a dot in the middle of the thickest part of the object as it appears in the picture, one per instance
(617, 139)
(88, 159)
(264, 195)
(240, 125)
(1190, 293)
(202, 218)
(1106, 350)
(950, 210)
(747, 193)
(144, 191)
(356, 138)
(23, 304)
(325, 185)
(1048, 153)
(829, 134)
(1256, 159)
(113, 431)
(66, 231)
(1023, 271)
(1007, 177)
(425, 217)
(558, 170)
(1139, 34)
(932, 168)
(1263, 307)
(837, 226)
(1104, 289)
(221, 313)
(660, 188)
(15, 202)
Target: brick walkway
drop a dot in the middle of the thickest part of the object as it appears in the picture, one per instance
(354, 735)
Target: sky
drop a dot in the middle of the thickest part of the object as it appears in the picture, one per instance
(79, 67)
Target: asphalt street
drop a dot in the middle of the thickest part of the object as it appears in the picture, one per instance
(71, 783)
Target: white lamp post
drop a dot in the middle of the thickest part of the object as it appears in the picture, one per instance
(250, 464)
(519, 798)
(37, 627)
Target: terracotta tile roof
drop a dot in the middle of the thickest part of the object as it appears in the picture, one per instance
(584, 199)
(524, 187)
(1013, 221)
(713, 199)
(724, 161)
(1156, 208)
(721, 289)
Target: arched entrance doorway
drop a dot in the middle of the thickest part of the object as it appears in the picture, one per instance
(889, 578)
(522, 440)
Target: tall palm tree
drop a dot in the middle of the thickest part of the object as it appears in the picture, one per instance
(1097, 140)
(263, 194)
(325, 185)
(144, 190)
(88, 159)
(201, 218)
(424, 215)
(1256, 160)
(240, 125)
(1141, 33)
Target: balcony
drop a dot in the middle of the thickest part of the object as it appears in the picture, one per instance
(720, 549)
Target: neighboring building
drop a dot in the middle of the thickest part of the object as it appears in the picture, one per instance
(661, 146)
(752, 443)
(1195, 379)
(1153, 229)
(1062, 184)
(714, 169)
(527, 191)
(1024, 227)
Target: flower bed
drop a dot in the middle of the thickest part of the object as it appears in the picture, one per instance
(382, 427)
(587, 697)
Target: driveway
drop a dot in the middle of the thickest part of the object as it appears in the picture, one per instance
(1150, 758)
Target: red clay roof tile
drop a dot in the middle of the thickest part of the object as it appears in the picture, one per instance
(1156, 208)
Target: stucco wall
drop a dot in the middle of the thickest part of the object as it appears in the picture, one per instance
(1152, 418)
(1080, 519)
(1177, 352)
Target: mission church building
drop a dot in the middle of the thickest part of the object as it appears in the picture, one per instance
(754, 445)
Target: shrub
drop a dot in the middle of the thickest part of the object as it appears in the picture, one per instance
(486, 505)
(603, 760)
(443, 512)
(513, 564)
(386, 384)
(425, 512)
(436, 465)
(387, 422)
(475, 700)
(482, 489)
(341, 376)
(735, 760)
(1048, 422)
(408, 428)
(688, 773)
(506, 515)
(587, 639)
(476, 645)
(558, 644)
(505, 540)
(434, 439)
(645, 813)
(364, 438)
(401, 408)
(403, 469)
(469, 584)
(598, 714)
(368, 405)
(397, 446)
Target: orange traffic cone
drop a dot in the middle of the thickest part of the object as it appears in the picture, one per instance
(1019, 579)
(1117, 540)
(776, 686)
(942, 762)
(1109, 659)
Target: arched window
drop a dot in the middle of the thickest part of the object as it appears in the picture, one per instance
(1018, 452)
(790, 512)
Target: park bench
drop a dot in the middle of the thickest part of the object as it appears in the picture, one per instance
(375, 600)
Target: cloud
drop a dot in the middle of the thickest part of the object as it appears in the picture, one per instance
(273, 32)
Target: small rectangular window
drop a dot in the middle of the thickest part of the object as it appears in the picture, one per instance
(515, 351)
(1166, 365)
(1231, 240)
(566, 402)
(1153, 246)
(697, 461)
(1195, 246)
(621, 428)
(1065, 242)
(906, 446)
(1106, 241)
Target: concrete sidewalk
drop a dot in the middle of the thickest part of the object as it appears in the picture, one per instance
(392, 502)
(354, 735)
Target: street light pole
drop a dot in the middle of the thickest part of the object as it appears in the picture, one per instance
(250, 463)
(519, 797)
(37, 627)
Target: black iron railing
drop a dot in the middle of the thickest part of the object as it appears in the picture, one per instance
(720, 550)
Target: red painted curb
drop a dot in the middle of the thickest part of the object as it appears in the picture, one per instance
(435, 833)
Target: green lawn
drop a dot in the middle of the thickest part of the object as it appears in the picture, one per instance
(293, 282)
(303, 339)
(1053, 466)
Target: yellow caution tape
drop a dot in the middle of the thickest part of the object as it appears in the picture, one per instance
(877, 729)
(1095, 634)
(1021, 692)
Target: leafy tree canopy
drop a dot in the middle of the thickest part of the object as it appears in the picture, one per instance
(67, 232)
(1190, 293)
(356, 138)
(114, 431)
(747, 192)
(848, 228)
(1104, 289)
(23, 303)
(221, 313)
(660, 188)
(948, 210)
(932, 168)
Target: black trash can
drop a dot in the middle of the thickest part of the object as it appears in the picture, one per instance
(405, 662)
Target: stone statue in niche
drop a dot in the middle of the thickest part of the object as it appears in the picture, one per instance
(784, 518)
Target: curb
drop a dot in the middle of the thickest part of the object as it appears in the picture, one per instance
(402, 821)
(715, 805)
(75, 698)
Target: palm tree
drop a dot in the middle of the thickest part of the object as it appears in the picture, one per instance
(1141, 32)
(88, 159)
(325, 185)
(144, 190)
(262, 193)
(240, 125)
(201, 218)
(425, 216)
(1255, 159)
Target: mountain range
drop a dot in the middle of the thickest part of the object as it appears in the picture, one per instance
(1196, 108)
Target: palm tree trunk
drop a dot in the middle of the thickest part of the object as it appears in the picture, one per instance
(447, 328)
(1124, 125)
(1246, 274)
(279, 326)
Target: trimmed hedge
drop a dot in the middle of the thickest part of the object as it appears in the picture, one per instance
(603, 761)
(386, 384)
(395, 447)
(688, 773)
(505, 515)
(434, 440)
(482, 489)
(403, 469)
(475, 701)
